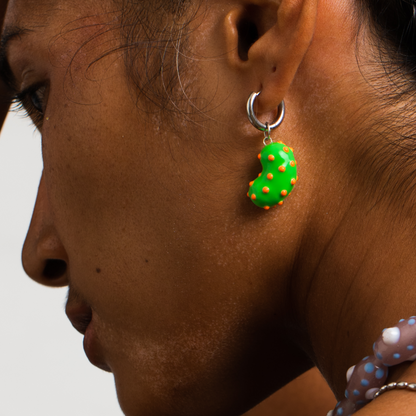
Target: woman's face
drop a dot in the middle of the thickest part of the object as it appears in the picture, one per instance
(148, 211)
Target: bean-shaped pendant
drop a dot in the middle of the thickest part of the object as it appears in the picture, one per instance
(278, 177)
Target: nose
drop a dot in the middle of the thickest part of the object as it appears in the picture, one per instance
(44, 257)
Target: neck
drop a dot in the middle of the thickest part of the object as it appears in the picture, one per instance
(362, 281)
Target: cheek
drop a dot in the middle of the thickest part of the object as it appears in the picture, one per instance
(115, 175)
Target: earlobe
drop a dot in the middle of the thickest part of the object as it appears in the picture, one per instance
(268, 41)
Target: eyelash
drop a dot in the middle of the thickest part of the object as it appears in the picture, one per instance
(22, 101)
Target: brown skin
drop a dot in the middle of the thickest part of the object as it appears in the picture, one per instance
(202, 303)
(4, 91)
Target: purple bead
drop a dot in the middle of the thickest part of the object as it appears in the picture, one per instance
(368, 376)
(394, 346)
(344, 408)
(398, 344)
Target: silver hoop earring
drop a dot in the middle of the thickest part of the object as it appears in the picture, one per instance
(279, 174)
(256, 122)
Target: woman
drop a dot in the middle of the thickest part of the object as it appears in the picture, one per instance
(198, 301)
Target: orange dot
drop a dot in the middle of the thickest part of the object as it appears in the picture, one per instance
(283, 193)
(259, 175)
(282, 169)
(280, 142)
(293, 164)
(286, 149)
(290, 193)
(297, 178)
(248, 195)
(293, 181)
(291, 148)
(253, 197)
(296, 162)
(251, 183)
(266, 207)
(270, 176)
(271, 158)
(266, 190)
(281, 203)
(259, 156)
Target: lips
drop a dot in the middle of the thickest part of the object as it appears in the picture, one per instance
(82, 319)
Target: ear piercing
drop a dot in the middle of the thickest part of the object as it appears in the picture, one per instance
(279, 174)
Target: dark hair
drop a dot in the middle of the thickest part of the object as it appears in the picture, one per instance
(386, 155)
(393, 26)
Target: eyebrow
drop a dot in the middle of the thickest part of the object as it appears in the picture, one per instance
(10, 33)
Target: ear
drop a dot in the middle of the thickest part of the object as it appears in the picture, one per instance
(267, 41)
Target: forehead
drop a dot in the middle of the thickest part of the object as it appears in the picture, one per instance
(32, 12)
(46, 36)
(36, 22)
(38, 14)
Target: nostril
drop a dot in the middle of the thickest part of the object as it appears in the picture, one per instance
(54, 269)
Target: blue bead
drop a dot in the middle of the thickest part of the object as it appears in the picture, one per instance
(379, 374)
(401, 320)
(396, 356)
(369, 368)
(379, 356)
(366, 358)
(364, 383)
(346, 394)
(412, 321)
(340, 412)
(356, 393)
(410, 347)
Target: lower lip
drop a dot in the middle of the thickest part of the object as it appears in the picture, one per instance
(92, 349)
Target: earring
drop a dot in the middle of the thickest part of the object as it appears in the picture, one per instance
(279, 174)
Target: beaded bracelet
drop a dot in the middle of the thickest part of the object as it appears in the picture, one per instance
(401, 385)
(366, 379)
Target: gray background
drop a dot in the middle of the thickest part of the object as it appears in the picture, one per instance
(43, 369)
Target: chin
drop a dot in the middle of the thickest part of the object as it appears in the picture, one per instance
(150, 400)
(173, 398)
(177, 396)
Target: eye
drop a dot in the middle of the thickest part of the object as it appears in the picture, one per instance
(37, 98)
(33, 102)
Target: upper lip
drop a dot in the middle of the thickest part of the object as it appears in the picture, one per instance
(80, 316)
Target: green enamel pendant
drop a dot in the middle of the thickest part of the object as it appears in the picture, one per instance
(278, 177)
